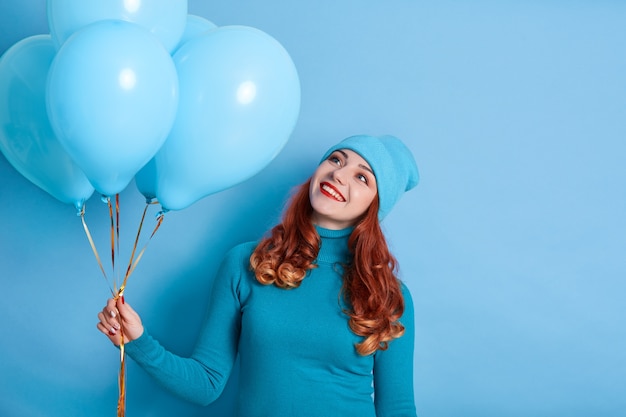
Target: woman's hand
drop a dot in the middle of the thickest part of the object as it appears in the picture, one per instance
(118, 315)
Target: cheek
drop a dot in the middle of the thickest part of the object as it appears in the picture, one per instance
(365, 198)
(317, 174)
(372, 196)
(312, 189)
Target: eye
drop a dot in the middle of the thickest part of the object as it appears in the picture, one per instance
(334, 159)
(363, 178)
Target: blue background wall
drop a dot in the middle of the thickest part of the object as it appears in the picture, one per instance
(513, 245)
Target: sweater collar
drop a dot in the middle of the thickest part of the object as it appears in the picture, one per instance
(334, 245)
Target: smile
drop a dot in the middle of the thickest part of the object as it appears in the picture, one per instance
(331, 191)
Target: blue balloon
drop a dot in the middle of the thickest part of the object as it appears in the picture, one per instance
(165, 19)
(145, 180)
(26, 137)
(112, 95)
(239, 103)
(196, 25)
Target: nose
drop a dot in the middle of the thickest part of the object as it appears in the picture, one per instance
(339, 175)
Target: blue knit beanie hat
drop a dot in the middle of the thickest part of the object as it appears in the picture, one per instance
(392, 162)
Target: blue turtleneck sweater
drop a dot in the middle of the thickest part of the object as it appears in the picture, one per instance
(296, 350)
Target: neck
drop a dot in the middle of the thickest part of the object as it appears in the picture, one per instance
(334, 245)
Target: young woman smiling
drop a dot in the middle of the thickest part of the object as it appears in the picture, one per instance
(314, 310)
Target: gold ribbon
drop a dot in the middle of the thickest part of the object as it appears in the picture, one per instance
(132, 264)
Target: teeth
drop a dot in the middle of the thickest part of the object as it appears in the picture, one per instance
(332, 192)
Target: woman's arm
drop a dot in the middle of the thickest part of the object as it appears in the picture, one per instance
(200, 378)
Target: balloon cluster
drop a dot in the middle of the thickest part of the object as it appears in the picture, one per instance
(128, 89)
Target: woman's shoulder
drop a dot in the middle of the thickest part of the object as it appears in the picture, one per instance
(243, 248)
(404, 288)
(240, 253)
(408, 299)
(234, 273)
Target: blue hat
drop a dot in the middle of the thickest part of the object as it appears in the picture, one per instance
(392, 162)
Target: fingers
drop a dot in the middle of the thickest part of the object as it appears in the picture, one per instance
(109, 321)
(118, 315)
(112, 314)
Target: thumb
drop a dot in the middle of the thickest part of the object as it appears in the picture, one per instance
(133, 327)
(126, 311)
(122, 307)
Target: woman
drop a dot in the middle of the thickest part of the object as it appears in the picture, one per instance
(321, 324)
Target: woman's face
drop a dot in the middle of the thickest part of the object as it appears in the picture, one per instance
(342, 188)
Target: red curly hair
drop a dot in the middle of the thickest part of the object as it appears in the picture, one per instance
(370, 288)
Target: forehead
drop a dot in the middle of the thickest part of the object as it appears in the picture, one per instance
(355, 158)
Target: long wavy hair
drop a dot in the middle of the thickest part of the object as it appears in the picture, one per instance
(370, 287)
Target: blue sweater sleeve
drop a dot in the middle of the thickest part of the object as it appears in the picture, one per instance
(393, 369)
(200, 378)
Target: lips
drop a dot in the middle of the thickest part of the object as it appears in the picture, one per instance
(328, 190)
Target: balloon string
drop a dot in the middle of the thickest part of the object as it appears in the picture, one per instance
(121, 400)
(132, 265)
(115, 247)
(93, 247)
(117, 226)
(112, 232)
(132, 255)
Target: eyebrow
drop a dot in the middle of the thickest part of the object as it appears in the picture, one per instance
(345, 155)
